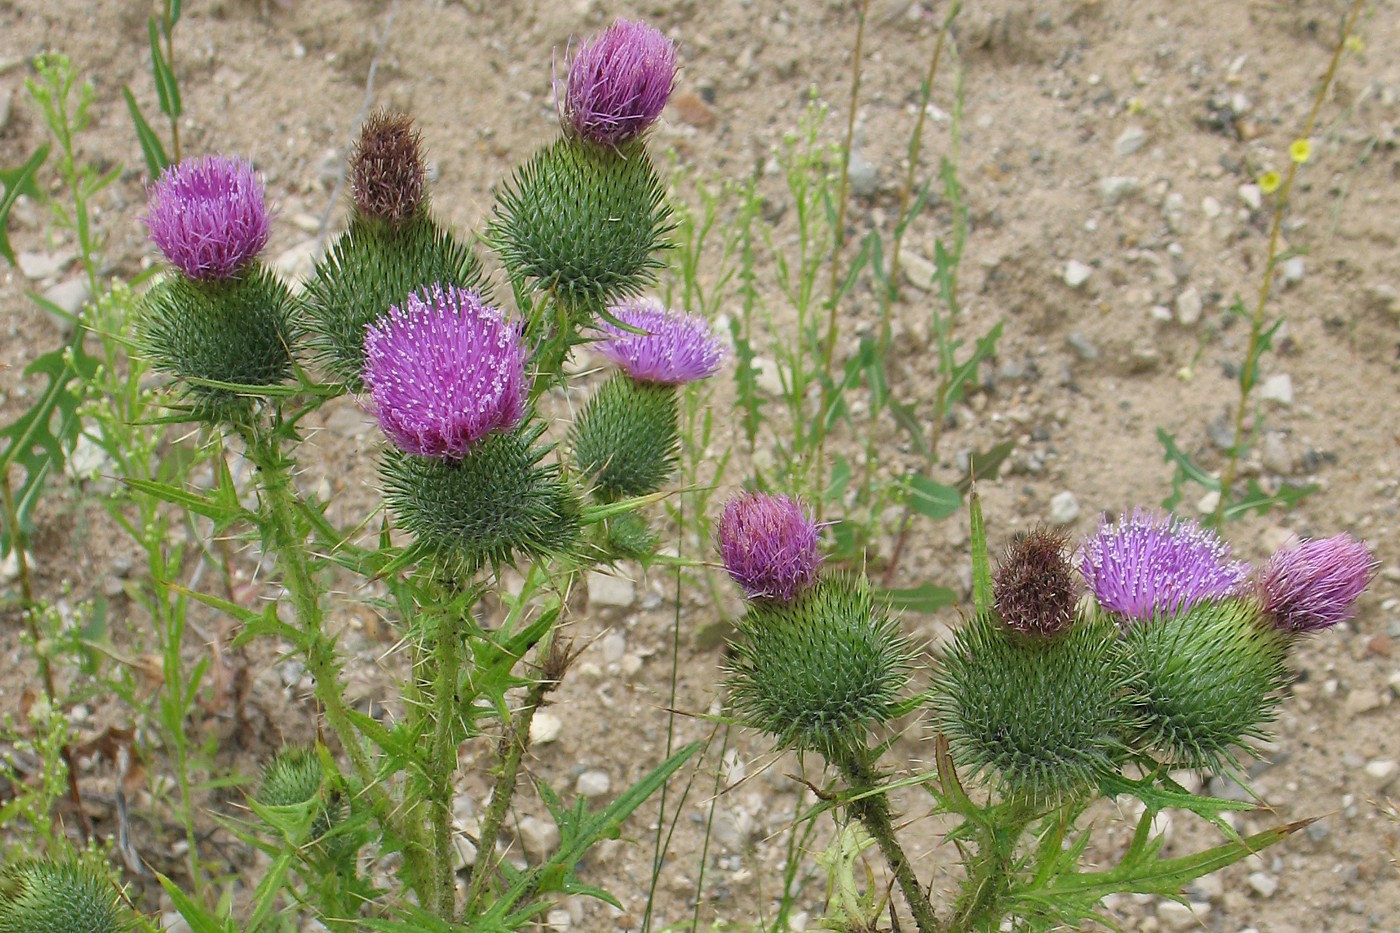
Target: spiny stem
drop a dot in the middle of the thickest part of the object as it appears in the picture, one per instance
(447, 657)
(874, 814)
(1256, 325)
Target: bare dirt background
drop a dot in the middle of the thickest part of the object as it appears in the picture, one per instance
(1065, 100)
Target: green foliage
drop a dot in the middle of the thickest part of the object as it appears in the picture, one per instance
(59, 897)
(1211, 678)
(583, 222)
(626, 438)
(497, 504)
(820, 672)
(1045, 718)
(371, 266)
(18, 181)
(235, 331)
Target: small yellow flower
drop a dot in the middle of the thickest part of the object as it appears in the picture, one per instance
(1355, 44)
(1269, 182)
(1300, 150)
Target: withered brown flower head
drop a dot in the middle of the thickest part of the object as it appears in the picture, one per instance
(1034, 588)
(387, 170)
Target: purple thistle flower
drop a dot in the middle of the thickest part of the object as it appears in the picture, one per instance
(1315, 585)
(676, 347)
(768, 545)
(1152, 564)
(619, 83)
(444, 370)
(208, 216)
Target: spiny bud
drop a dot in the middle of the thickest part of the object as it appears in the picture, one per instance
(768, 545)
(583, 222)
(820, 671)
(496, 503)
(294, 778)
(235, 330)
(1209, 679)
(619, 83)
(1150, 565)
(208, 216)
(1315, 585)
(60, 897)
(370, 267)
(626, 437)
(1034, 588)
(1044, 719)
(387, 172)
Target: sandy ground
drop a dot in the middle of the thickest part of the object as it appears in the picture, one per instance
(1120, 136)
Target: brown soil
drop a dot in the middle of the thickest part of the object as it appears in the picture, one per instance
(1219, 91)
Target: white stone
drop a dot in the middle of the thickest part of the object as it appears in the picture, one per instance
(1178, 916)
(614, 647)
(1064, 508)
(68, 296)
(1363, 701)
(593, 784)
(605, 589)
(769, 381)
(545, 728)
(1252, 196)
(1161, 313)
(1130, 140)
(1293, 270)
(1277, 388)
(558, 921)
(1174, 211)
(540, 837)
(1263, 883)
(35, 266)
(918, 271)
(1210, 207)
(1208, 503)
(1076, 273)
(1115, 188)
(1382, 773)
(1188, 306)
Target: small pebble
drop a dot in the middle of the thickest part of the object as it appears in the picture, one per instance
(918, 271)
(606, 589)
(1082, 346)
(1115, 188)
(540, 837)
(1382, 773)
(1188, 306)
(1210, 207)
(1252, 196)
(593, 784)
(1360, 702)
(1263, 883)
(1130, 140)
(863, 178)
(1277, 388)
(1064, 508)
(545, 728)
(1076, 273)
(1293, 270)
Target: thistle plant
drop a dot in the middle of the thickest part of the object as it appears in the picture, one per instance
(60, 897)
(1067, 684)
(400, 313)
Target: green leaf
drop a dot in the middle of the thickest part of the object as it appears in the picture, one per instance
(1257, 500)
(981, 563)
(223, 507)
(985, 465)
(1185, 471)
(18, 181)
(151, 148)
(37, 440)
(200, 920)
(173, 10)
(269, 886)
(926, 597)
(167, 88)
(932, 500)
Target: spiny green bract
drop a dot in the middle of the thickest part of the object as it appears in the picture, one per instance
(59, 898)
(584, 221)
(626, 437)
(497, 502)
(295, 778)
(234, 330)
(1046, 717)
(819, 671)
(628, 536)
(1210, 679)
(373, 265)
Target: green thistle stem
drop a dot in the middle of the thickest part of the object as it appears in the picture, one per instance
(279, 526)
(874, 814)
(447, 656)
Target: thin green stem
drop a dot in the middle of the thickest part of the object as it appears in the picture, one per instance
(873, 811)
(838, 243)
(1256, 347)
(447, 656)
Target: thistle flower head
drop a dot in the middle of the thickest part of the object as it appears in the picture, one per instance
(387, 172)
(208, 216)
(769, 546)
(674, 348)
(444, 370)
(619, 83)
(60, 897)
(1150, 564)
(1315, 585)
(1034, 588)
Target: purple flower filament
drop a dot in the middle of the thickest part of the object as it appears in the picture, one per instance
(208, 216)
(673, 347)
(444, 370)
(619, 83)
(1151, 564)
(769, 546)
(1315, 585)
